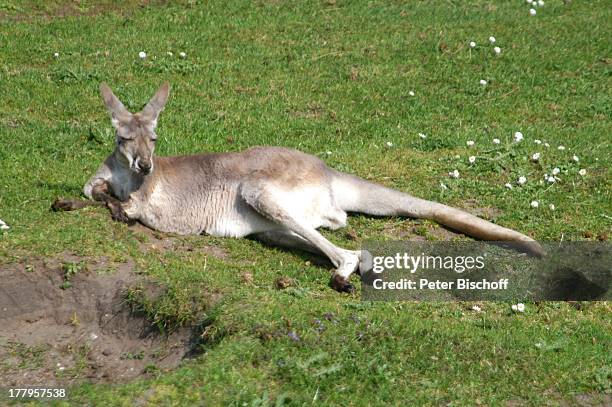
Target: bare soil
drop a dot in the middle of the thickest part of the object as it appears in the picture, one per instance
(54, 333)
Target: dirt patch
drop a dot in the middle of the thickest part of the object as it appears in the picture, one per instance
(62, 324)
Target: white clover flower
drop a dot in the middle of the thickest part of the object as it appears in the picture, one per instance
(537, 141)
(520, 307)
(561, 148)
(56, 54)
(423, 136)
(496, 141)
(411, 93)
(551, 179)
(535, 157)
(532, 11)
(169, 53)
(472, 159)
(389, 144)
(518, 136)
(552, 207)
(546, 145)
(444, 187)
(508, 185)
(328, 152)
(472, 44)
(182, 55)
(492, 39)
(522, 180)
(470, 143)
(582, 172)
(454, 174)
(4, 227)
(142, 55)
(540, 3)
(514, 308)
(575, 158)
(476, 308)
(497, 50)
(529, 1)
(556, 171)
(483, 82)
(535, 204)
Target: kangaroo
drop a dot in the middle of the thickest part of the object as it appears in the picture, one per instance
(278, 195)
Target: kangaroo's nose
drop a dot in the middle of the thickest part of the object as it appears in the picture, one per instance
(145, 167)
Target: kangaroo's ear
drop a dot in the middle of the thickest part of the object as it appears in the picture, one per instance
(156, 104)
(118, 112)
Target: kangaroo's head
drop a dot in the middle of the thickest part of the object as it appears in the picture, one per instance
(135, 132)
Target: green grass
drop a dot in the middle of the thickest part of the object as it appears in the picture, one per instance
(325, 76)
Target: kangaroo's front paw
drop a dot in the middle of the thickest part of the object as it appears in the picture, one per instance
(118, 213)
(341, 284)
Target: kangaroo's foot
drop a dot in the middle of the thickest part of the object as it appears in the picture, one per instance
(341, 284)
(349, 263)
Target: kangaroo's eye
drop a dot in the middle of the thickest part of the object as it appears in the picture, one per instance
(123, 140)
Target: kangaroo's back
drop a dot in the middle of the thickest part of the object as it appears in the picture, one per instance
(287, 168)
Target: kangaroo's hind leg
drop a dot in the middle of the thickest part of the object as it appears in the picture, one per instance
(266, 200)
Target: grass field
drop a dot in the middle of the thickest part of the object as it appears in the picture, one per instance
(353, 82)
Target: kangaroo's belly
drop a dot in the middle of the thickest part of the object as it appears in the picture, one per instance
(220, 210)
(239, 221)
(217, 212)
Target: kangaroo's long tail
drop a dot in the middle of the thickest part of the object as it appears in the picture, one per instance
(354, 194)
